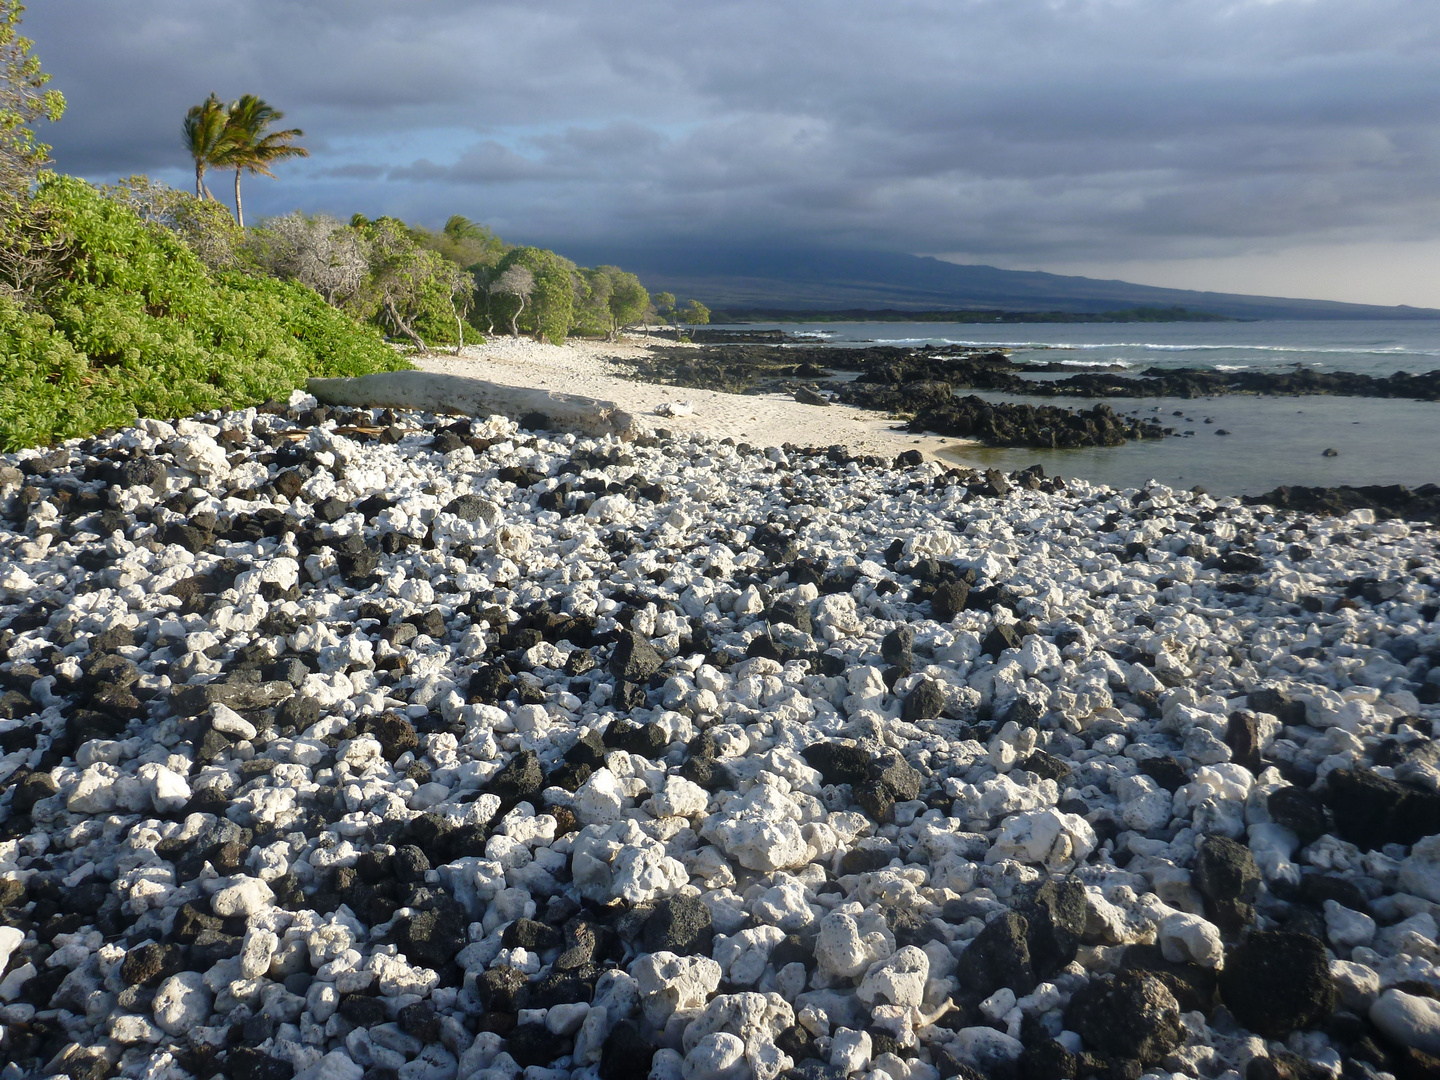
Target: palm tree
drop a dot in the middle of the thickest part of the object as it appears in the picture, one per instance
(251, 147)
(205, 138)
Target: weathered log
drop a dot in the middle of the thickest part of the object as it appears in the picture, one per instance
(456, 394)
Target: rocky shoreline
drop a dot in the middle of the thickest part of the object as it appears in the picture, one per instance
(921, 385)
(884, 385)
(341, 744)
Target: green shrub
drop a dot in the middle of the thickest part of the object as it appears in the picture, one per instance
(137, 326)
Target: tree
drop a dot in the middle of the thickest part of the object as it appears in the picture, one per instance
(665, 306)
(409, 288)
(590, 314)
(628, 299)
(550, 313)
(205, 133)
(694, 314)
(250, 146)
(516, 281)
(319, 251)
(23, 100)
(32, 250)
(463, 242)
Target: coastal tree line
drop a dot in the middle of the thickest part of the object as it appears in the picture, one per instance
(138, 299)
(423, 286)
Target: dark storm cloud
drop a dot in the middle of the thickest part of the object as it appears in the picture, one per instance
(1021, 129)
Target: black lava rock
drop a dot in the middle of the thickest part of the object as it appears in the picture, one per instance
(896, 646)
(151, 963)
(626, 1054)
(1003, 636)
(1272, 701)
(502, 989)
(435, 937)
(532, 935)
(681, 925)
(795, 613)
(634, 659)
(1372, 811)
(999, 956)
(890, 779)
(1055, 921)
(948, 600)
(1192, 985)
(1276, 982)
(29, 791)
(409, 865)
(838, 763)
(1131, 1015)
(1046, 766)
(520, 779)
(925, 702)
(395, 734)
(647, 740)
(1165, 771)
(1048, 1060)
(247, 1063)
(532, 1044)
(1299, 811)
(1226, 870)
(466, 507)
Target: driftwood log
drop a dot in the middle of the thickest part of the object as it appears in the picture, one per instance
(456, 394)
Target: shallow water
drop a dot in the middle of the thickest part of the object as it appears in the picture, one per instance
(1273, 440)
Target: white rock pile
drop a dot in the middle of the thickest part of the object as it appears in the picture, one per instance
(346, 745)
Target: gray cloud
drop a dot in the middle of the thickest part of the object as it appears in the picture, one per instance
(1017, 130)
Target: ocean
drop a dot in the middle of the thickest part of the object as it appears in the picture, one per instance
(1270, 441)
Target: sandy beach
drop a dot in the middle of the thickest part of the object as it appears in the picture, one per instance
(591, 368)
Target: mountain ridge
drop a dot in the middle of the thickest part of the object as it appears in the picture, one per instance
(819, 279)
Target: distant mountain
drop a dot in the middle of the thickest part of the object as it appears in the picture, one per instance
(818, 280)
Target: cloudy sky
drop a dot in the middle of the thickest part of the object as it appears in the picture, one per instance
(1287, 147)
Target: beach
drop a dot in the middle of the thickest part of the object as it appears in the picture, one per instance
(589, 368)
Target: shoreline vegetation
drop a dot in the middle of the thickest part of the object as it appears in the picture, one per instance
(138, 300)
(741, 316)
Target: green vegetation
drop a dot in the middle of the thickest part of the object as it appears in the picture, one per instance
(139, 300)
(693, 314)
(133, 300)
(1129, 315)
(134, 324)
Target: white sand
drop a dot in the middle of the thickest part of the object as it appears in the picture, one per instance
(586, 367)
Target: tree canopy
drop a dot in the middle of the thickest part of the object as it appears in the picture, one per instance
(23, 101)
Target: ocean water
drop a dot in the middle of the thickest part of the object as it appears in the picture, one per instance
(1271, 440)
(1372, 348)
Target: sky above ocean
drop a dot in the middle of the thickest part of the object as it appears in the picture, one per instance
(1286, 147)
